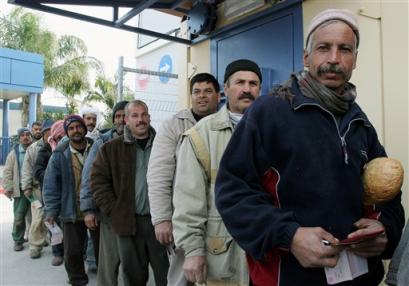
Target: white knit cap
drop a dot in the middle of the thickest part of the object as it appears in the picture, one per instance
(334, 14)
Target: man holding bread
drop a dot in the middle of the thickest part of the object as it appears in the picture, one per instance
(289, 187)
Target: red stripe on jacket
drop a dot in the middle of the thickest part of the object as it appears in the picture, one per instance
(267, 272)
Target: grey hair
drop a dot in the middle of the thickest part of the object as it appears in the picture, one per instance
(309, 43)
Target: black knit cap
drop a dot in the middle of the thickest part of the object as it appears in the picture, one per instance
(242, 65)
(72, 118)
(119, 106)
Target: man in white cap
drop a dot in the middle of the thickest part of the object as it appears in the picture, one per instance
(90, 116)
(289, 185)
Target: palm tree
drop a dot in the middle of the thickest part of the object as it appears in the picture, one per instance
(66, 64)
(105, 92)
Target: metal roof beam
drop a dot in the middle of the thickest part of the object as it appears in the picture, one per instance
(82, 17)
(135, 11)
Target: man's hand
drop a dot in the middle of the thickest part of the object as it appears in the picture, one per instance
(195, 269)
(163, 232)
(373, 246)
(90, 221)
(310, 251)
(50, 220)
(28, 193)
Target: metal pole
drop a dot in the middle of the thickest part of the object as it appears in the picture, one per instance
(5, 145)
(120, 79)
(32, 108)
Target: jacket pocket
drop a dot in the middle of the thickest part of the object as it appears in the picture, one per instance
(220, 258)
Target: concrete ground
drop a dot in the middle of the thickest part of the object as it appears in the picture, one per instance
(18, 269)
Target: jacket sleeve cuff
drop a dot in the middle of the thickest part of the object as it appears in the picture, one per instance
(195, 252)
(157, 221)
(288, 236)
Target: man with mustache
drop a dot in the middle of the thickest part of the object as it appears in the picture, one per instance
(211, 255)
(289, 186)
(119, 187)
(61, 195)
(205, 96)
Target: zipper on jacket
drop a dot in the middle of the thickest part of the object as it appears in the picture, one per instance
(342, 138)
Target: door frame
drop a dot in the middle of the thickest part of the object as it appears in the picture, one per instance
(287, 8)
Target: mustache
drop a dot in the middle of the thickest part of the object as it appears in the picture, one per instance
(142, 124)
(332, 69)
(247, 95)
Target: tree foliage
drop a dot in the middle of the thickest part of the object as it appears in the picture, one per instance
(66, 64)
(105, 91)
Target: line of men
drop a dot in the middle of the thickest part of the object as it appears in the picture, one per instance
(23, 179)
(232, 197)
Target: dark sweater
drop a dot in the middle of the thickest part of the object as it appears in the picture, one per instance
(288, 165)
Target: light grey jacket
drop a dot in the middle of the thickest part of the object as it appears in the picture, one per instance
(197, 226)
(27, 175)
(162, 164)
(11, 174)
(398, 273)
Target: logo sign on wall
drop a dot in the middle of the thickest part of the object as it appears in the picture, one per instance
(143, 79)
(165, 65)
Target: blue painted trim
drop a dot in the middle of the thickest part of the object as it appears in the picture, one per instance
(289, 7)
(21, 88)
(46, 108)
(20, 55)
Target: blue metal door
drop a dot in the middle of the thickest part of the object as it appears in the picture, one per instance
(274, 40)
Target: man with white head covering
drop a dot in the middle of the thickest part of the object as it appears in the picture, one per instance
(90, 116)
(289, 186)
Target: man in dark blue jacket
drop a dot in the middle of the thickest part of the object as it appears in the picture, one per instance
(290, 178)
(61, 194)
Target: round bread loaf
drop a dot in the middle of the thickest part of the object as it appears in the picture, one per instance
(382, 178)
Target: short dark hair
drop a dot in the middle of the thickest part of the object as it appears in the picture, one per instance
(37, 123)
(204, 77)
(135, 102)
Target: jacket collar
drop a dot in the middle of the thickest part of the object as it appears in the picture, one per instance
(129, 139)
(64, 145)
(220, 120)
(186, 114)
(300, 101)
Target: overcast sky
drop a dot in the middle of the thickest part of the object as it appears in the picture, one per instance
(104, 43)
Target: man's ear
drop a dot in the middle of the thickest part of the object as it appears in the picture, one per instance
(305, 58)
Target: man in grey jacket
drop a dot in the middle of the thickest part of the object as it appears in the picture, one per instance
(212, 257)
(32, 190)
(12, 185)
(205, 96)
(108, 260)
